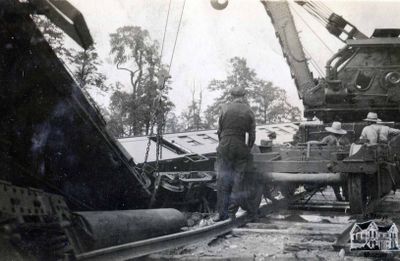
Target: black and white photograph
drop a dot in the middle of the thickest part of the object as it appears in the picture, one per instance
(199, 130)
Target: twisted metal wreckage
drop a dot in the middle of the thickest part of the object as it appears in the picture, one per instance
(56, 154)
(65, 182)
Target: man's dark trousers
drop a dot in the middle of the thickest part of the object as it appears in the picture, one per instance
(233, 160)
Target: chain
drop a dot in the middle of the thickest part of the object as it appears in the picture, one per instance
(160, 126)
(159, 118)
(156, 117)
(159, 115)
(152, 121)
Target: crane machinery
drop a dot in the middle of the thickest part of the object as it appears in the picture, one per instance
(362, 77)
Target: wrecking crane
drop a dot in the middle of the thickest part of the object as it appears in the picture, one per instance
(362, 77)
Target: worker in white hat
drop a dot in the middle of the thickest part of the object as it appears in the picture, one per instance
(336, 138)
(376, 132)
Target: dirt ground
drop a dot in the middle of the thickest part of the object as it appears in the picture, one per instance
(284, 237)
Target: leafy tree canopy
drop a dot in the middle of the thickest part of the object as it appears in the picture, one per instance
(192, 116)
(145, 106)
(85, 65)
(268, 102)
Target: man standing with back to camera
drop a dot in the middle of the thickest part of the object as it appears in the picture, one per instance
(233, 156)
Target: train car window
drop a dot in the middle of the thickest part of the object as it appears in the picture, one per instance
(208, 138)
(169, 145)
(189, 140)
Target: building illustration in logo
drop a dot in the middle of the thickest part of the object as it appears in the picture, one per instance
(371, 236)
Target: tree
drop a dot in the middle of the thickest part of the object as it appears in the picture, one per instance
(172, 123)
(191, 117)
(133, 51)
(85, 65)
(268, 102)
(53, 35)
(240, 75)
(118, 118)
(133, 47)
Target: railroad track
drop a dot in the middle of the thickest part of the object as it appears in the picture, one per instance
(273, 237)
(172, 241)
(286, 230)
(299, 232)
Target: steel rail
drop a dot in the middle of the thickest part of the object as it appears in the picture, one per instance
(153, 245)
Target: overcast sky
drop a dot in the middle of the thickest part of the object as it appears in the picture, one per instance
(209, 38)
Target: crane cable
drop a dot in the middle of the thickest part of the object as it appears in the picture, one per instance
(154, 114)
(314, 63)
(160, 122)
(159, 113)
(176, 37)
(318, 9)
(320, 12)
(312, 30)
(316, 15)
(165, 32)
(159, 151)
(162, 85)
(325, 7)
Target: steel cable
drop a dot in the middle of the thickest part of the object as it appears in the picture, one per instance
(312, 30)
(176, 37)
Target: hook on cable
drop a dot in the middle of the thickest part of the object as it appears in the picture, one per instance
(219, 4)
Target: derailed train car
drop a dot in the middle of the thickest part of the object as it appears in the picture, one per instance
(52, 137)
(64, 181)
(184, 177)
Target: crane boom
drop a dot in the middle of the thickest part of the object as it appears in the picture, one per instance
(292, 48)
(60, 12)
(358, 77)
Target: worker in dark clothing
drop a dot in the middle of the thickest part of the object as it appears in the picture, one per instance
(233, 156)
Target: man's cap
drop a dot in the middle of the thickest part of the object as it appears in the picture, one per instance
(336, 128)
(238, 91)
(372, 117)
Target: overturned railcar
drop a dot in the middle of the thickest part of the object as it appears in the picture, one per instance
(64, 181)
(184, 176)
(52, 137)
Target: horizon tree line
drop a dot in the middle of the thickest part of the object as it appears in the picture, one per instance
(140, 107)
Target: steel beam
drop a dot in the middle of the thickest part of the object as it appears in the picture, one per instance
(305, 178)
(316, 166)
(293, 166)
